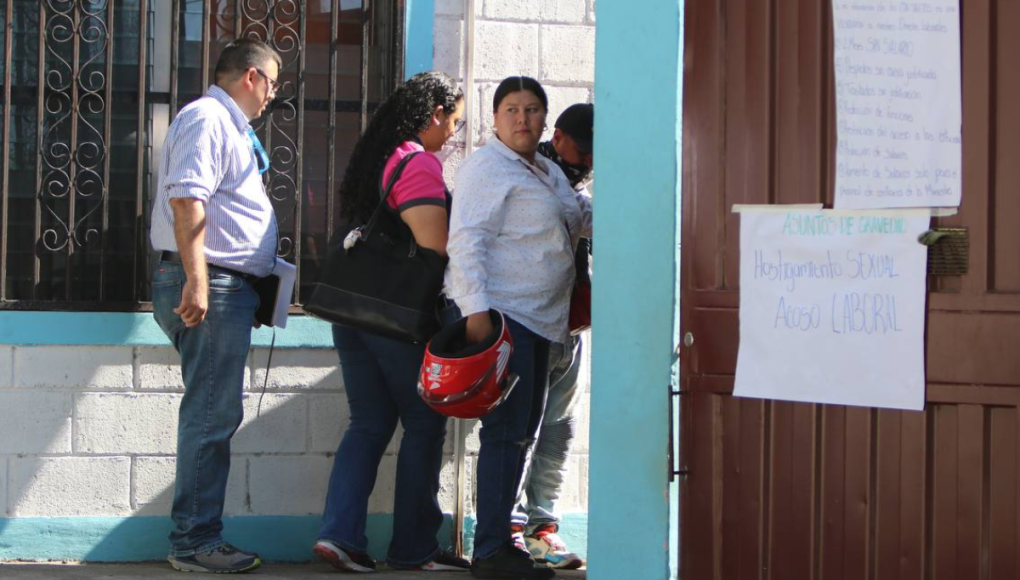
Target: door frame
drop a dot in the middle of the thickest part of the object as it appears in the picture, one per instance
(637, 120)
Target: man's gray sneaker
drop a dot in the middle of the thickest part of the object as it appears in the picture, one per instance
(223, 560)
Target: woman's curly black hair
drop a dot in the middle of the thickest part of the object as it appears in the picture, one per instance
(400, 118)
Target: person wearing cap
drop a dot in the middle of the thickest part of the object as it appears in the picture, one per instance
(535, 517)
(571, 145)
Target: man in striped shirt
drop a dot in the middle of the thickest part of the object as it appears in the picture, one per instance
(214, 228)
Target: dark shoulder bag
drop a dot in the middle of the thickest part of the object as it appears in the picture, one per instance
(377, 279)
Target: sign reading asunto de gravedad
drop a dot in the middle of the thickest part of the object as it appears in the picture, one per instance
(832, 306)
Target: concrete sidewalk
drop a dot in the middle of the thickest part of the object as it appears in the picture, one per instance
(162, 571)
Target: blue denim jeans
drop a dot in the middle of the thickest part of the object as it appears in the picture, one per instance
(381, 380)
(507, 434)
(213, 358)
(545, 471)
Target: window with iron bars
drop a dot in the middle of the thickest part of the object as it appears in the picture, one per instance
(89, 89)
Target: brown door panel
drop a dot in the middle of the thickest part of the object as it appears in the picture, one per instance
(974, 348)
(714, 351)
(794, 491)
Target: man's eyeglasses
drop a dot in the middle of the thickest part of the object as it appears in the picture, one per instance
(273, 83)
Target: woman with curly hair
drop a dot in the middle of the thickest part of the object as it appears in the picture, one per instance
(380, 374)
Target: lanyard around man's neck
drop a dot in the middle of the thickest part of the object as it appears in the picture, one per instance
(260, 152)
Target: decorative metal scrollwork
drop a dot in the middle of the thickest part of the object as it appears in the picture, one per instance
(74, 148)
(278, 23)
(85, 130)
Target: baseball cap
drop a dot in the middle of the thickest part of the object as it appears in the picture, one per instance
(577, 121)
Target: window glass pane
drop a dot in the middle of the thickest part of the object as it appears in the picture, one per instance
(381, 52)
(316, 191)
(22, 206)
(3, 101)
(189, 55)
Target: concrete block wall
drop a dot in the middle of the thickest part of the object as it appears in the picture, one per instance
(550, 40)
(91, 431)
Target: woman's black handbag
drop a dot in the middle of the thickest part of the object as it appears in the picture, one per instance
(377, 279)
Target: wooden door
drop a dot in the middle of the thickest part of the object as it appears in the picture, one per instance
(789, 491)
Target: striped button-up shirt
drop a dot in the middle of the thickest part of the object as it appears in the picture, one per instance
(208, 155)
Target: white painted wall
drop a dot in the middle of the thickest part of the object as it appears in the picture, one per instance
(550, 40)
(91, 431)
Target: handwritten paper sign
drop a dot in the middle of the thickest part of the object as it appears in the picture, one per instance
(832, 306)
(898, 115)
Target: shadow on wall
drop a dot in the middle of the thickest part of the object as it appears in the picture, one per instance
(40, 328)
(298, 478)
(281, 462)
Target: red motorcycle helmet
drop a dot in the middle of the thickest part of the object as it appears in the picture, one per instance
(467, 380)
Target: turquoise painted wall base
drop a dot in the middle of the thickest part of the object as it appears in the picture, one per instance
(24, 328)
(141, 539)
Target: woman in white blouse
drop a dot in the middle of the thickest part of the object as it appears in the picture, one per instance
(515, 223)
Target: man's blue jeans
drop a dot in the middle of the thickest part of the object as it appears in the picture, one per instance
(381, 380)
(544, 474)
(213, 358)
(506, 436)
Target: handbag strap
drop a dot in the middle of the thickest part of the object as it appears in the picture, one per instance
(384, 192)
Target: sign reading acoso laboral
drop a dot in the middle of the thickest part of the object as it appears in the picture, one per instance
(832, 306)
(898, 103)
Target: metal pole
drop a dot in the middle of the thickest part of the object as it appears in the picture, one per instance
(72, 167)
(5, 185)
(141, 242)
(469, 76)
(459, 449)
(40, 135)
(334, 27)
(206, 41)
(108, 138)
(459, 432)
(175, 41)
(300, 177)
(365, 33)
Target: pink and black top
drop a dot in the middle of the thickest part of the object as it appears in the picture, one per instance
(421, 182)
